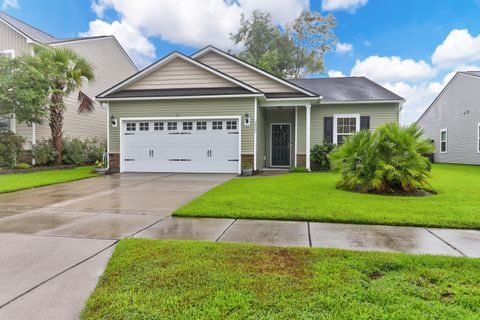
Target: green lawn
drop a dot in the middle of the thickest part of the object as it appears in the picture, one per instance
(152, 279)
(20, 181)
(313, 197)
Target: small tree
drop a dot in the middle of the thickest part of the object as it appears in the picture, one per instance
(291, 51)
(389, 160)
(35, 87)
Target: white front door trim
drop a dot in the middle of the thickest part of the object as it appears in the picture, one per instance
(307, 143)
(238, 118)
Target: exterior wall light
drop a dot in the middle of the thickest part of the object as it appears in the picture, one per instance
(114, 121)
(247, 119)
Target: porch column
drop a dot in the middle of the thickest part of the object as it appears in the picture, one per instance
(307, 144)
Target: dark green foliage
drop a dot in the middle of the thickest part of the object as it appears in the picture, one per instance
(319, 157)
(74, 151)
(94, 149)
(10, 147)
(43, 153)
(389, 160)
(299, 169)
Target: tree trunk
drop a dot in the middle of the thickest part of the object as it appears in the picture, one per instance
(56, 123)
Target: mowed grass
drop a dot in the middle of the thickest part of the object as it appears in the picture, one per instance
(314, 197)
(153, 279)
(20, 181)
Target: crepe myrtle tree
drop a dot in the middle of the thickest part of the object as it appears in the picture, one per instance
(34, 87)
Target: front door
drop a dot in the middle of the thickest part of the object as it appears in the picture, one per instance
(280, 144)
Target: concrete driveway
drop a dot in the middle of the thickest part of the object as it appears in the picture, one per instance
(56, 240)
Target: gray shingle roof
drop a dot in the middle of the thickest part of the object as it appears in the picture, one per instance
(29, 31)
(473, 73)
(347, 89)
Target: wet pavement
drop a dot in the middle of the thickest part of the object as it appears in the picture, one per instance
(57, 240)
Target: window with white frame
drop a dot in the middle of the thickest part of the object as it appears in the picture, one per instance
(131, 126)
(344, 126)
(7, 53)
(217, 125)
(144, 126)
(443, 141)
(188, 125)
(231, 125)
(4, 124)
(202, 125)
(478, 137)
(158, 126)
(171, 126)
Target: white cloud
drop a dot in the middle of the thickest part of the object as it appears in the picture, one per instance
(367, 43)
(196, 23)
(346, 5)
(458, 47)
(335, 74)
(343, 47)
(386, 69)
(138, 47)
(10, 4)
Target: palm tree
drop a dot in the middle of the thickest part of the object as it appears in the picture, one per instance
(67, 72)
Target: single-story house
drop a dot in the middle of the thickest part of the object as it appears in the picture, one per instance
(452, 121)
(110, 62)
(211, 111)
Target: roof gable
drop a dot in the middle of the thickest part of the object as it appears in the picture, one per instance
(246, 72)
(177, 71)
(27, 30)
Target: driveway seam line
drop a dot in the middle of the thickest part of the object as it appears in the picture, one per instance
(226, 229)
(309, 235)
(57, 274)
(444, 241)
(148, 227)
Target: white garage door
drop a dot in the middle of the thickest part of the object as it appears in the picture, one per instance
(203, 145)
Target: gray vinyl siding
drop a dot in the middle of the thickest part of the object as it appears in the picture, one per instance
(110, 66)
(261, 136)
(180, 74)
(184, 108)
(379, 114)
(458, 111)
(12, 40)
(25, 131)
(286, 116)
(243, 73)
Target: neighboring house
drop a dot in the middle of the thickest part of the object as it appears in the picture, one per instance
(211, 111)
(111, 65)
(452, 121)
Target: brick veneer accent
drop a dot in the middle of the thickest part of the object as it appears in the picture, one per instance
(247, 158)
(301, 160)
(114, 160)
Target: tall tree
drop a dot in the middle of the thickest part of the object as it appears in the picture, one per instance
(37, 85)
(291, 51)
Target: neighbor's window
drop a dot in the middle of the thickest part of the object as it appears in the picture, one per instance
(144, 126)
(478, 138)
(131, 126)
(7, 53)
(231, 125)
(344, 126)
(4, 124)
(172, 126)
(217, 125)
(202, 125)
(443, 141)
(158, 126)
(188, 125)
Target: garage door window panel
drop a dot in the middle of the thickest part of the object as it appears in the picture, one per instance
(172, 126)
(144, 126)
(202, 125)
(231, 125)
(187, 126)
(131, 126)
(217, 125)
(158, 126)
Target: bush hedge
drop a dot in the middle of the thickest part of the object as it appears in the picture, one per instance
(319, 157)
(10, 147)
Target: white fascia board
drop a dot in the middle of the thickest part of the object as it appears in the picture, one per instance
(179, 97)
(282, 81)
(165, 60)
(364, 102)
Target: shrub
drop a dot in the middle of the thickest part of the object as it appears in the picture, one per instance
(22, 166)
(74, 151)
(43, 152)
(299, 169)
(389, 160)
(247, 165)
(319, 157)
(94, 150)
(10, 147)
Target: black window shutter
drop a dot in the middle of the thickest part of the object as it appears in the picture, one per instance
(328, 129)
(365, 123)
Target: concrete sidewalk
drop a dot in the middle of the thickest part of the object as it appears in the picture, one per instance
(415, 240)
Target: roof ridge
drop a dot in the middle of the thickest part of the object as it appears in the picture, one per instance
(26, 24)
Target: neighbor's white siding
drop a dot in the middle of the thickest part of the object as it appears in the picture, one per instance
(12, 40)
(458, 111)
(180, 74)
